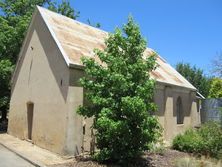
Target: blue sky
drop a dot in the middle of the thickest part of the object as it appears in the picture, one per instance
(179, 30)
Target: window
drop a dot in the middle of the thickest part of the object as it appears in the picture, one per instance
(179, 108)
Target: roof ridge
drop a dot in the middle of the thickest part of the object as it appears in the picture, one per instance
(76, 21)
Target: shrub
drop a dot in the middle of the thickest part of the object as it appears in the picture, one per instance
(207, 140)
(190, 141)
(211, 134)
(121, 96)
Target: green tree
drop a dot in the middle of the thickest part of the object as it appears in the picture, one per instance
(97, 25)
(14, 20)
(64, 8)
(195, 76)
(5, 70)
(216, 88)
(120, 92)
(217, 65)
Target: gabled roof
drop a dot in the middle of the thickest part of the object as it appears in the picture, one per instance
(76, 39)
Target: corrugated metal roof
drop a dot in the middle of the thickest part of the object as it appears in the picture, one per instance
(76, 39)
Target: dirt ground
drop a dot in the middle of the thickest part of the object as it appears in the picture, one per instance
(167, 159)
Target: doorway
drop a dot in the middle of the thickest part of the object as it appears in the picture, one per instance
(30, 109)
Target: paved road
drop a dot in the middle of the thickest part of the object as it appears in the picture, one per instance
(10, 159)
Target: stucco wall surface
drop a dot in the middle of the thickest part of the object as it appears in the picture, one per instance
(166, 98)
(42, 78)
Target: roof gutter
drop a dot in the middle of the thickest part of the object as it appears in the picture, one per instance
(199, 95)
(76, 66)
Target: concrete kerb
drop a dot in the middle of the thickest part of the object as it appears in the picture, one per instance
(37, 164)
(31, 153)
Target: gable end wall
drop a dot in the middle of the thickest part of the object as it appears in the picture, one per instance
(42, 77)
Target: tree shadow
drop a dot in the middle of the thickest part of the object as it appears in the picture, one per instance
(143, 161)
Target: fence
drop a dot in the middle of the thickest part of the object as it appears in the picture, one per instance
(211, 109)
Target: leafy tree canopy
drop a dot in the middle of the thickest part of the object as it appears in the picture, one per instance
(217, 65)
(65, 9)
(5, 70)
(14, 20)
(121, 95)
(216, 88)
(97, 25)
(195, 76)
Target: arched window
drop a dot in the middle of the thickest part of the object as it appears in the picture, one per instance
(179, 111)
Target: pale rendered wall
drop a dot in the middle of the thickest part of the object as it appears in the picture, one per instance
(166, 98)
(76, 141)
(44, 80)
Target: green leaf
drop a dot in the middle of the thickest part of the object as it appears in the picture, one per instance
(120, 94)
